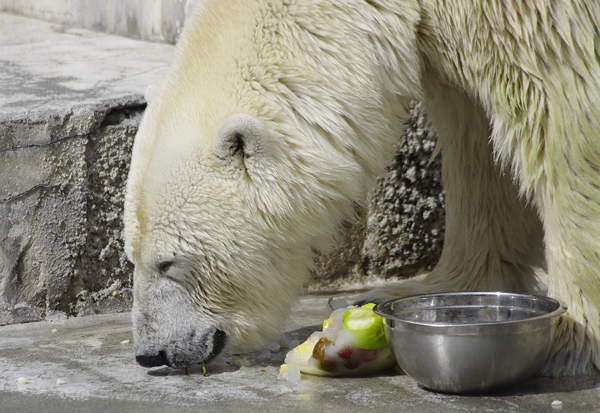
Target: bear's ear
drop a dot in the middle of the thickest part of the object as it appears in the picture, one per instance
(240, 141)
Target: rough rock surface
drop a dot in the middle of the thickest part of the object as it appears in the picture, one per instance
(401, 233)
(60, 249)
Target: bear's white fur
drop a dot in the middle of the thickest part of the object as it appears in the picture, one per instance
(277, 115)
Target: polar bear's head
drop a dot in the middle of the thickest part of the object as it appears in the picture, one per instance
(209, 228)
(248, 156)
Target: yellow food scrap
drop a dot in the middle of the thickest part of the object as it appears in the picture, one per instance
(242, 363)
(327, 323)
(308, 346)
(303, 396)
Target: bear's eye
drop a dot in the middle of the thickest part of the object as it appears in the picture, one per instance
(165, 266)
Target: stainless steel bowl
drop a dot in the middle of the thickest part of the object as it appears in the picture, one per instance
(470, 342)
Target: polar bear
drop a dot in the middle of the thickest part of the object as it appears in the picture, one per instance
(278, 114)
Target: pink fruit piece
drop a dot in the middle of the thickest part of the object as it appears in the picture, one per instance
(345, 352)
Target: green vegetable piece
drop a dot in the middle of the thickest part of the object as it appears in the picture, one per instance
(367, 327)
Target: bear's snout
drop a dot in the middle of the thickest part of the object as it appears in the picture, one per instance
(183, 354)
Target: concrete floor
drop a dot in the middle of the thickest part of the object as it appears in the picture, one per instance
(94, 357)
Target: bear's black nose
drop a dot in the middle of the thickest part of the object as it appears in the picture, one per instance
(154, 360)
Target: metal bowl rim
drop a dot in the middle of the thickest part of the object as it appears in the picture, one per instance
(562, 308)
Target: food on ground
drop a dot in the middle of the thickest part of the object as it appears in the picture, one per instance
(353, 342)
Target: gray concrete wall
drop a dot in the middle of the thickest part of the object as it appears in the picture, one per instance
(155, 20)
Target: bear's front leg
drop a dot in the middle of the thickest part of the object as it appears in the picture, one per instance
(493, 237)
(555, 148)
(571, 211)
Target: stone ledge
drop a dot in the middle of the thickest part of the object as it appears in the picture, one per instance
(72, 103)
